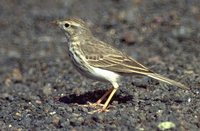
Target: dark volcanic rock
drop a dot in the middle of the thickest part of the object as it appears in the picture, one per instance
(40, 90)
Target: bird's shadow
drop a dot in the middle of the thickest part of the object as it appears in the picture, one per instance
(92, 96)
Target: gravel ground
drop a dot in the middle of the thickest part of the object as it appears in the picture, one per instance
(40, 90)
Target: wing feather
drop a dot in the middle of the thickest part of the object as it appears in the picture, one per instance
(107, 57)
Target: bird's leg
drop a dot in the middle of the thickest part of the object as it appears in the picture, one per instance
(106, 103)
(98, 103)
(109, 98)
(104, 96)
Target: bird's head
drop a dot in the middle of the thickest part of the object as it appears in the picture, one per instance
(73, 27)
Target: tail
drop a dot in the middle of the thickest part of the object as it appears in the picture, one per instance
(166, 80)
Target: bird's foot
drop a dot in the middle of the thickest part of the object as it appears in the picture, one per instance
(98, 111)
(93, 105)
(97, 106)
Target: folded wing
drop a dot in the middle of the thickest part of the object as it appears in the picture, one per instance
(107, 57)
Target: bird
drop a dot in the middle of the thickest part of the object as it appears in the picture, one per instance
(100, 61)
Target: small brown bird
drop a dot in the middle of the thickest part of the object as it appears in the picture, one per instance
(98, 60)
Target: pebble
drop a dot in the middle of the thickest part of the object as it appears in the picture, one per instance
(17, 75)
(98, 118)
(69, 109)
(129, 37)
(166, 125)
(56, 120)
(47, 89)
(76, 121)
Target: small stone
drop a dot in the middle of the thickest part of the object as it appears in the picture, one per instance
(5, 95)
(84, 109)
(17, 75)
(69, 109)
(14, 54)
(115, 103)
(188, 71)
(47, 89)
(38, 102)
(65, 123)
(182, 32)
(143, 82)
(195, 9)
(156, 59)
(18, 114)
(129, 37)
(171, 68)
(56, 120)
(76, 121)
(141, 129)
(189, 100)
(80, 119)
(52, 113)
(166, 125)
(98, 118)
(8, 82)
(75, 115)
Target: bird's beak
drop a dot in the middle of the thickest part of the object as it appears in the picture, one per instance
(56, 22)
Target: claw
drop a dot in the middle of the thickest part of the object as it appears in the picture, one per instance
(92, 105)
(98, 111)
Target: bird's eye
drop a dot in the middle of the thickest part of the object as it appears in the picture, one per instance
(66, 25)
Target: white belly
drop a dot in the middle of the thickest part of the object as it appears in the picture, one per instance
(105, 74)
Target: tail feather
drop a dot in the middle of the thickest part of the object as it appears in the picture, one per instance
(166, 80)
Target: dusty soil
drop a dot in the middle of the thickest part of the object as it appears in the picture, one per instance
(40, 90)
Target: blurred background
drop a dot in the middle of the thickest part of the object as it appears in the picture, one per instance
(39, 88)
